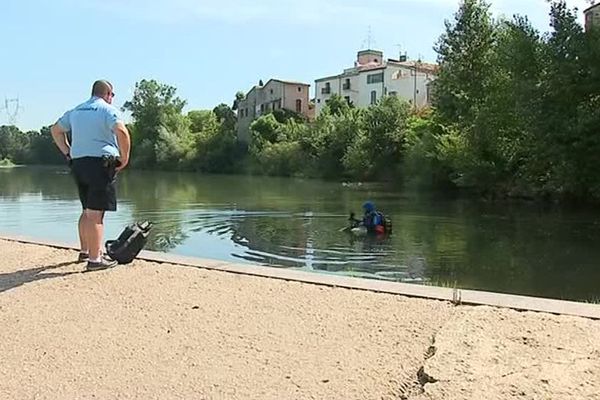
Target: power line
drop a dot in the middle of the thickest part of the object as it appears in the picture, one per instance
(11, 107)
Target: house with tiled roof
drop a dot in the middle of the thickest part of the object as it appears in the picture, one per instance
(373, 77)
(276, 94)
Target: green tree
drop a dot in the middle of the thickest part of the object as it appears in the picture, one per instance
(500, 138)
(275, 147)
(13, 143)
(239, 96)
(329, 138)
(565, 147)
(378, 149)
(42, 149)
(336, 105)
(465, 57)
(264, 129)
(467, 77)
(225, 116)
(216, 148)
(424, 164)
(201, 120)
(156, 110)
(282, 115)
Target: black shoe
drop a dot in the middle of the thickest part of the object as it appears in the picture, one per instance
(83, 257)
(104, 263)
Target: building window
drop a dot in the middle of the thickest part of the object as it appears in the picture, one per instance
(298, 106)
(346, 85)
(375, 78)
(373, 97)
(318, 100)
(262, 108)
(393, 94)
(271, 91)
(299, 88)
(326, 89)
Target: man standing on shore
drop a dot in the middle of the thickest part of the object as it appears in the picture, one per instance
(99, 149)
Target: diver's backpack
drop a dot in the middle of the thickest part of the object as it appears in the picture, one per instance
(386, 222)
(129, 243)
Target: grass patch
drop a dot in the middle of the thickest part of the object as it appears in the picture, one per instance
(444, 284)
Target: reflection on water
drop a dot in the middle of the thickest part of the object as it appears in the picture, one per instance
(289, 223)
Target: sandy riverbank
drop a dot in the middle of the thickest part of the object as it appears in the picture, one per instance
(159, 331)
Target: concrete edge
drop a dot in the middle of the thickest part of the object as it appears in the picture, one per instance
(457, 296)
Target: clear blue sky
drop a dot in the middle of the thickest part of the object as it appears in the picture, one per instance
(53, 50)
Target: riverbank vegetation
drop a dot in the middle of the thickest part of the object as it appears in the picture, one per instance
(516, 113)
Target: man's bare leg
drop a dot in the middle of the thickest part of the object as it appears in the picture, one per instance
(83, 241)
(94, 233)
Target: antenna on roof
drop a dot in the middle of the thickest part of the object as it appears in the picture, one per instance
(401, 57)
(369, 41)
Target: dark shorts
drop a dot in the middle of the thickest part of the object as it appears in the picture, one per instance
(96, 183)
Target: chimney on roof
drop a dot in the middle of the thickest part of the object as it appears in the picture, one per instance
(365, 57)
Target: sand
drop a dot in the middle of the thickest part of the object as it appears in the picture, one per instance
(162, 331)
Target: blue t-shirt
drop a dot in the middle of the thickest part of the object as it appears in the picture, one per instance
(91, 125)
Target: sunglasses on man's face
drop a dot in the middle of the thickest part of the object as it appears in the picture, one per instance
(112, 94)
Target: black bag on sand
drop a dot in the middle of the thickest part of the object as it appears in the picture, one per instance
(129, 243)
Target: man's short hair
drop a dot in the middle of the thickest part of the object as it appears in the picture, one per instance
(101, 88)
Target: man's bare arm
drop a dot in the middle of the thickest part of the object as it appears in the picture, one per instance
(60, 139)
(124, 143)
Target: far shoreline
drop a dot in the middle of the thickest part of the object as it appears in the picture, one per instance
(516, 198)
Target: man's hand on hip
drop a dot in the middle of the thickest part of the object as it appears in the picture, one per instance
(122, 164)
(124, 142)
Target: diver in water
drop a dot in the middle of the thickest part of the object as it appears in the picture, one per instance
(373, 221)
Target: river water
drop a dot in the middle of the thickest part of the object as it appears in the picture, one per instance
(518, 248)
